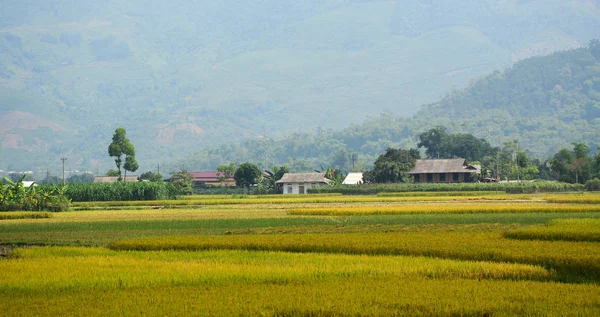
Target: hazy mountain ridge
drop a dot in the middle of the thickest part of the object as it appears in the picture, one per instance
(544, 102)
(180, 76)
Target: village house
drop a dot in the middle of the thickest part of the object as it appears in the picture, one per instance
(114, 179)
(299, 183)
(353, 179)
(445, 171)
(210, 178)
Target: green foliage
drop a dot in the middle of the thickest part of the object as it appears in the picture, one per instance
(573, 166)
(392, 166)
(246, 175)
(226, 172)
(121, 146)
(151, 176)
(440, 144)
(14, 196)
(182, 180)
(82, 178)
(121, 191)
(593, 184)
(112, 172)
(268, 183)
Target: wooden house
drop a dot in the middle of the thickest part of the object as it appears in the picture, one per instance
(445, 171)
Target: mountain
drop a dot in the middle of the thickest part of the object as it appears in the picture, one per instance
(181, 76)
(545, 102)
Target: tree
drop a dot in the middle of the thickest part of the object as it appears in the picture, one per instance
(573, 166)
(439, 144)
(81, 178)
(16, 177)
(225, 173)
(434, 141)
(151, 176)
(182, 181)
(393, 166)
(121, 146)
(112, 172)
(131, 165)
(594, 48)
(247, 175)
(270, 181)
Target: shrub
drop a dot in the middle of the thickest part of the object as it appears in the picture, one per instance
(593, 184)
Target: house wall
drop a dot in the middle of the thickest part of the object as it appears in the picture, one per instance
(296, 187)
(462, 178)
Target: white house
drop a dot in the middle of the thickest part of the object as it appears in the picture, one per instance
(353, 179)
(299, 183)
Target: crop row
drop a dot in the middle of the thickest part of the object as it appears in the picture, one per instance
(560, 229)
(294, 200)
(97, 281)
(350, 296)
(121, 191)
(71, 268)
(455, 208)
(24, 215)
(512, 188)
(574, 199)
(579, 260)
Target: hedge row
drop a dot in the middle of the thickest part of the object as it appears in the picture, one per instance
(121, 191)
(511, 188)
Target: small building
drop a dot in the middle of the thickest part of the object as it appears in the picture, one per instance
(28, 184)
(114, 179)
(210, 178)
(299, 183)
(444, 171)
(353, 179)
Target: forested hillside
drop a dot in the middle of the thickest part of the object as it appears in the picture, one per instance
(182, 76)
(544, 102)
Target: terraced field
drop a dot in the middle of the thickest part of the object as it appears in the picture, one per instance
(315, 255)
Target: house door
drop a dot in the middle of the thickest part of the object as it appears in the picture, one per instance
(301, 189)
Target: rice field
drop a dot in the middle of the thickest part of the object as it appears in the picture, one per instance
(443, 254)
(560, 229)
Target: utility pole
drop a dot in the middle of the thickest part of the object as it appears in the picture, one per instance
(498, 161)
(157, 168)
(518, 168)
(63, 159)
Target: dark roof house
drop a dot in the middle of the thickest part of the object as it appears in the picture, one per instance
(444, 171)
(211, 178)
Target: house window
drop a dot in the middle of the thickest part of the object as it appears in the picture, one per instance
(417, 178)
(455, 177)
(442, 177)
(301, 189)
(289, 189)
(429, 178)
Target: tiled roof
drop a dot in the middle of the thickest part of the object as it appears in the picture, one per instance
(207, 176)
(441, 166)
(303, 178)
